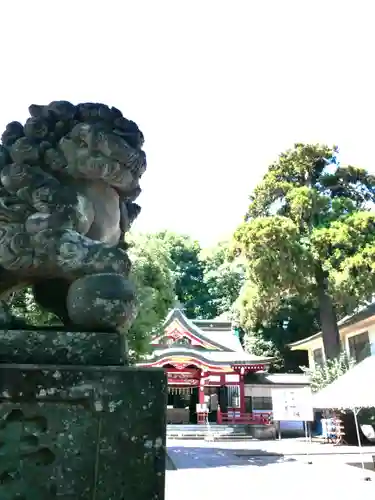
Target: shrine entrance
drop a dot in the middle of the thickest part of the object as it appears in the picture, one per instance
(181, 405)
(183, 394)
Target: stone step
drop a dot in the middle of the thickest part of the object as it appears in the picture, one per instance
(200, 428)
(212, 431)
(209, 437)
(200, 434)
(204, 431)
(215, 426)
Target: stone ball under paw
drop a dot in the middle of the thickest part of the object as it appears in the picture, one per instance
(101, 301)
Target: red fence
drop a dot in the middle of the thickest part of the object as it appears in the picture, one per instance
(235, 417)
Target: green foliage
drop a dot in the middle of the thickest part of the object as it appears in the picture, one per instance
(188, 272)
(152, 275)
(207, 282)
(223, 279)
(332, 369)
(23, 306)
(169, 266)
(309, 232)
(268, 334)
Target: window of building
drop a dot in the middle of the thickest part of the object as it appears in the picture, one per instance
(318, 357)
(262, 403)
(359, 346)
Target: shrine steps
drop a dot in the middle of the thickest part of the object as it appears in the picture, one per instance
(215, 431)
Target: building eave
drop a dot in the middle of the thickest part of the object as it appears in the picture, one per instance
(206, 323)
(210, 358)
(365, 315)
(305, 344)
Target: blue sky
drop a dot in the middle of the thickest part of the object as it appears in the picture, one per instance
(219, 88)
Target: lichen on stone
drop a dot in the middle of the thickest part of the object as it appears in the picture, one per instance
(69, 178)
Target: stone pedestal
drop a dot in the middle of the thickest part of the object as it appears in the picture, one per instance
(75, 424)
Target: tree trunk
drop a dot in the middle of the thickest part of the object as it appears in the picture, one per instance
(328, 319)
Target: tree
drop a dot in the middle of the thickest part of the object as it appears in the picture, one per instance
(293, 320)
(207, 282)
(154, 281)
(188, 272)
(223, 276)
(309, 232)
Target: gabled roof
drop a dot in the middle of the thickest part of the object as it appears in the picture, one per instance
(220, 331)
(214, 335)
(212, 345)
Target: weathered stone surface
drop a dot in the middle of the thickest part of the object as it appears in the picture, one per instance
(68, 181)
(79, 433)
(105, 298)
(75, 423)
(66, 348)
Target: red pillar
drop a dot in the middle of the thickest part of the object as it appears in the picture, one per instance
(201, 388)
(219, 419)
(242, 395)
(201, 418)
(201, 395)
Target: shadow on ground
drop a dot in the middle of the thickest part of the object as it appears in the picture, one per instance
(210, 457)
(368, 465)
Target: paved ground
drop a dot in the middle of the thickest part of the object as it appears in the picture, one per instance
(264, 467)
(294, 447)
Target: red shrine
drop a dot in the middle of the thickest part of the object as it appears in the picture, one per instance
(206, 366)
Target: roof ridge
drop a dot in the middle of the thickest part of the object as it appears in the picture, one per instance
(176, 313)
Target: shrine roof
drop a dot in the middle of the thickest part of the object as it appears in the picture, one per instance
(215, 333)
(211, 357)
(219, 331)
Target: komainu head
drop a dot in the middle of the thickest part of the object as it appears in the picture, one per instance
(87, 141)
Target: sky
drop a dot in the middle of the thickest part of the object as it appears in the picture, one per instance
(219, 88)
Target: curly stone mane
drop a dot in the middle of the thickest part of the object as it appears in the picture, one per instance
(68, 181)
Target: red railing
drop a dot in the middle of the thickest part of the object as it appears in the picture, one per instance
(202, 418)
(236, 417)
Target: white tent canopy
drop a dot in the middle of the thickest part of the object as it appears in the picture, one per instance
(354, 389)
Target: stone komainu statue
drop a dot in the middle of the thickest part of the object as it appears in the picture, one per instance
(69, 179)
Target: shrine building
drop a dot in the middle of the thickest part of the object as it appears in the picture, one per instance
(206, 367)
